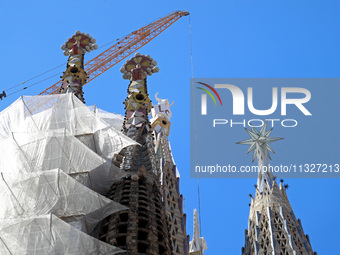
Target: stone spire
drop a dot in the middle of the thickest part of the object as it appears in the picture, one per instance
(137, 107)
(142, 229)
(75, 76)
(273, 228)
(169, 178)
(198, 244)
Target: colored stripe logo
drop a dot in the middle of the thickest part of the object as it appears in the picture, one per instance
(209, 93)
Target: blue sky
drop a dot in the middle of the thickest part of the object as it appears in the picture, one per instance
(230, 39)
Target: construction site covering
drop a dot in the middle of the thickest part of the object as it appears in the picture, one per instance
(56, 166)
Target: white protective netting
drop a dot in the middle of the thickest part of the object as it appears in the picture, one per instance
(113, 119)
(47, 235)
(44, 150)
(29, 195)
(56, 157)
(64, 111)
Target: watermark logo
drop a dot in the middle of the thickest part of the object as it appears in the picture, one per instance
(239, 99)
(204, 97)
(294, 107)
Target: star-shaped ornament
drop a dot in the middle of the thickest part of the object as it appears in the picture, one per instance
(261, 138)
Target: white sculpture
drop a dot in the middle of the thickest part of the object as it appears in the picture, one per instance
(198, 245)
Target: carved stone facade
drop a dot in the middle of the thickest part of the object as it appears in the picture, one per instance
(272, 226)
(143, 229)
(173, 203)
(169, 179)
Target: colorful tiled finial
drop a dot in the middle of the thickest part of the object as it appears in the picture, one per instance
(79, 43)
(139, 67)
(75, 76)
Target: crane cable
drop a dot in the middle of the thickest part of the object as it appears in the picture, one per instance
(32, 84)
(193, 98)
(34, 77)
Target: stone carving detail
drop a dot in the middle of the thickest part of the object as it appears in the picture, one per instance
(160, 125)
(273, 228)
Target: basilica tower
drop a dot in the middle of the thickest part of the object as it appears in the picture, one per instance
(169, 178)
(273, 228)
(143, 228)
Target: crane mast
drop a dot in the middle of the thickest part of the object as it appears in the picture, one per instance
(122, 49)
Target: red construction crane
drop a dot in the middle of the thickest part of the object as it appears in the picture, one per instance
(123, 48)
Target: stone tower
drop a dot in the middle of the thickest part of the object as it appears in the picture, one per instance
(169, 179)
(273, 228)
(75, 76)
(143, 229)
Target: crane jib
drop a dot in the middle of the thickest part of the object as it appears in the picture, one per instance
(123, 48)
